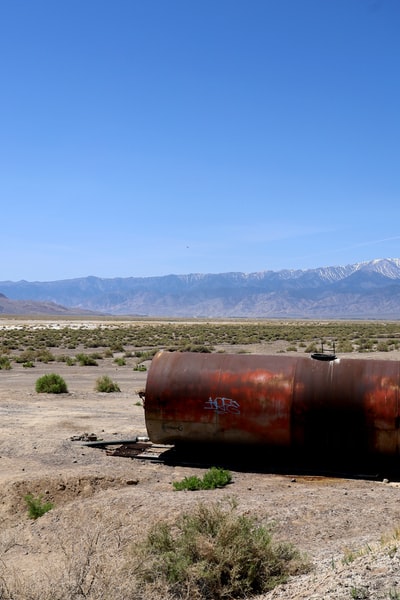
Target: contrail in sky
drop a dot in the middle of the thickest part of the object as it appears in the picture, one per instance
(372, 242)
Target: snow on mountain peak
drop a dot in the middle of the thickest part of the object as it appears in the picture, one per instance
(388, 267)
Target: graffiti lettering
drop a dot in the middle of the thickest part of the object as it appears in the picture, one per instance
(223, 405)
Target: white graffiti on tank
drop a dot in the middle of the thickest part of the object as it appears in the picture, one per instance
(223, 405)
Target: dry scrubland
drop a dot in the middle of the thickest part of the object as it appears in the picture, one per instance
(88, 545)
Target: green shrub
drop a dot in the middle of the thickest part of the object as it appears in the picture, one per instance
(190, 483)
(382, 347)
(5, 363)
(216, 477)
(28, 364)
(215, 553)
(213, 478)
(51, 384)
(345, 346)
(117, 347)
(85, 360)
(311, 348)
(45, 356)
(37, 508)
(146, 354)
(105, 384)
(26, 356)
(120, 361)
(192, 348)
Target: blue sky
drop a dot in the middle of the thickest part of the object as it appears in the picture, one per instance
(143, 138)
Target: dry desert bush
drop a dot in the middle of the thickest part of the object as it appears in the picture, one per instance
(208, 552)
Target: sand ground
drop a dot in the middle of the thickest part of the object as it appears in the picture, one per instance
(103, 504)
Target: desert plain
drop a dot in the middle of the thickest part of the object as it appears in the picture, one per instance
(103, 504)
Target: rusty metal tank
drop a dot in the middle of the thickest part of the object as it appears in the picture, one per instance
(345, 408)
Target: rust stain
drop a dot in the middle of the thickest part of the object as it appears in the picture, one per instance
(348, 407)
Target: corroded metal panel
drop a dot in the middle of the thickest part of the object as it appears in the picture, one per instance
(219, 398)
(343, 407)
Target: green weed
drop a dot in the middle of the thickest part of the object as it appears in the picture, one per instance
(213, 478)
(36, 506)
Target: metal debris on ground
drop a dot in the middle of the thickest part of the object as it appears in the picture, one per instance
(142, 450)
(84, 437)
(136, 447)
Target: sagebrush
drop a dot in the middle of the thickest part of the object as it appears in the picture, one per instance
(106, 384)
(51, 384)
(213, 552)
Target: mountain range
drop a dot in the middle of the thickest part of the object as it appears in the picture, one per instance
(367, 290)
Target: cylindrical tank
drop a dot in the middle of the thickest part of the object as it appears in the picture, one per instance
(345, 408)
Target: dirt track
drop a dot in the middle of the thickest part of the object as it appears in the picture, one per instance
(104, 503)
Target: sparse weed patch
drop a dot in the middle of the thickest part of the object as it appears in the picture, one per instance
(213, 478)
(194, 348)
(143, 340)
(36, 506)
(359, 593)
(349, 556)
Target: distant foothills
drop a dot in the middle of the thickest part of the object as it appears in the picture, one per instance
(367, 290)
